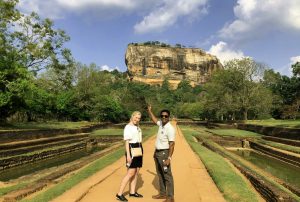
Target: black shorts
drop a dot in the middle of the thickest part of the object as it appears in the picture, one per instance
(137, 162)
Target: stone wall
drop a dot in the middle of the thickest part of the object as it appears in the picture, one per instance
(17, 135)
(30, 146)
(294, 160)
(28, 158)
(227, 141)
(109, 138)
(288, 133)
(283, 141)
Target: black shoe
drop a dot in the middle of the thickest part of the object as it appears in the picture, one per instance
(137, 195)
(121, 198)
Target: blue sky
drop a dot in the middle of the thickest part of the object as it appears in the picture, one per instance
(100, 30)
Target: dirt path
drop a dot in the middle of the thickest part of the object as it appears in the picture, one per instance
(192, 182)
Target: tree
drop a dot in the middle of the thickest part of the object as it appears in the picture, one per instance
(272, 81)
(249, 72)
(40, 102)
(220, 93)
(191, 110)
(108, 109)
(25, 50)
(165, 96)
(296, 69)
(66, 106)
(178, 45)
(286, 91)
(237, 89)
(184, 92)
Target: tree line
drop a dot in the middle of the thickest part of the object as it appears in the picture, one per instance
(40, 80)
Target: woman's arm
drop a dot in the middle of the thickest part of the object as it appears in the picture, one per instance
(128, 157)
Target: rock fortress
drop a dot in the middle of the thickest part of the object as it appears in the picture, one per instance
(151, 64)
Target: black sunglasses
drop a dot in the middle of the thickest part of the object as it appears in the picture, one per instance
(164, 116)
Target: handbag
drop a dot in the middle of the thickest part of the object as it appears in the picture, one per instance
(136, 151)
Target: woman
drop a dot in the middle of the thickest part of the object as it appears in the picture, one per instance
(133, 139)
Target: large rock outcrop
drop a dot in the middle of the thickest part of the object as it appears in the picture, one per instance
(152, 64)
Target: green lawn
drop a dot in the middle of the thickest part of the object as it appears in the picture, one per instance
(278, 123)
(234, 132)
(108, 131)
(5, 190)
(231, 184)
(46, 125)
(149, 130)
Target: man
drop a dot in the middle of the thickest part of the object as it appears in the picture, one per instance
(164, 148)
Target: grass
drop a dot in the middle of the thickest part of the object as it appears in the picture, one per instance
(277, 123)
(108, 131)
(8, 189)
(46, 125)
(234, 132)
(148, 131)
(119, 132)
(281, 146)
(231, 184)
(94, 167)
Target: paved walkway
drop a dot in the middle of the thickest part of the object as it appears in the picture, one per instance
(192, 182)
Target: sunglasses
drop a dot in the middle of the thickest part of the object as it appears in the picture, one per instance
(164, 116)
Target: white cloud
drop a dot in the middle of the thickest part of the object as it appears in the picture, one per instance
(106, 8)
(259, 17)
(42, 8)
(287, 69)
(168, 13)
(224, 52)
(161, 14)
(294, 59)
(108, 68)
(79, 4)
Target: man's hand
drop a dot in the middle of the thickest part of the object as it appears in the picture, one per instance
(167, 162)
(153, 118)
(149, 108)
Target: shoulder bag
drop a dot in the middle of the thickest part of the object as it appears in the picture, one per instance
(136, 151)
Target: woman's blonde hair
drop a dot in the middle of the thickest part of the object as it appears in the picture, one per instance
(134, 114)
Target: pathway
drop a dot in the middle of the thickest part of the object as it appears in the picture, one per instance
(192, 182)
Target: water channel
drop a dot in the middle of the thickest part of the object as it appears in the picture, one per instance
(284, 171)
(14, 173)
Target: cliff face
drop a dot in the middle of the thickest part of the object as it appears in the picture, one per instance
(152, 64)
